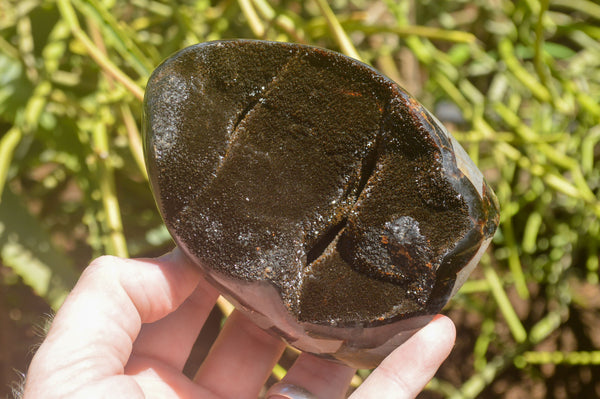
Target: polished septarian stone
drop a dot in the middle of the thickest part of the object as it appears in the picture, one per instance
(321, 198)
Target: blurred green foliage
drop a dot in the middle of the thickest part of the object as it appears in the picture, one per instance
(521, 81)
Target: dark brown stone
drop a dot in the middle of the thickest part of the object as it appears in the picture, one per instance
(317, 194)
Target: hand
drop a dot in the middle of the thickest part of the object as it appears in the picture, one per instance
(127, 328)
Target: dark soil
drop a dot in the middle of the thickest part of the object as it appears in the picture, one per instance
(22, 318)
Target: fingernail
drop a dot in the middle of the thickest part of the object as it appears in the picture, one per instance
(282, 390)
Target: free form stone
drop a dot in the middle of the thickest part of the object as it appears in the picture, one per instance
(317, 194)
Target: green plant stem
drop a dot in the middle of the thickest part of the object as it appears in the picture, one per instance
(530, 233)
(337, 31)
(506, 308)
(252, 17)
(580, 358)
(25, 124)
(514, 262)
(284, 22)
(134, 139)
(8, 49)
(538, 58)
(8, 143)
(116, 240)
(442, 387)
(507, 52)
(477, 383)
(427, 32)
(278, 372)
(120, 35)
(485, 338)
(586, 7)
(454, 93)
(471, 286)
(68, 13)
(480, 380)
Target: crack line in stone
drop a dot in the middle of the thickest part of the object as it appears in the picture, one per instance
(324, 241)
(369, 164)
(246, 111)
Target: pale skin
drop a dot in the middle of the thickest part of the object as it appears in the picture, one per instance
(127, 329)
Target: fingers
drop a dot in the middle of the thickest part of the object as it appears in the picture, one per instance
(402, 375)
(406, 371)
(156, 379)
(170, 339)
(92, 338)
(240, 360)
(92, 334)
(322, 378)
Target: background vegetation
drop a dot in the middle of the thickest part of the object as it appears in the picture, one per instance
(518, 83)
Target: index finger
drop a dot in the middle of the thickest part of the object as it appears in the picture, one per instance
(92, 334)
(406, 371)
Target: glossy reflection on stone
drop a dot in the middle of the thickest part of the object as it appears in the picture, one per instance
(317, 194)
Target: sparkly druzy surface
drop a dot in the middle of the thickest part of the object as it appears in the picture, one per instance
(301, 169)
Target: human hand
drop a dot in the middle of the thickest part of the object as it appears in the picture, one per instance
(127, 329)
